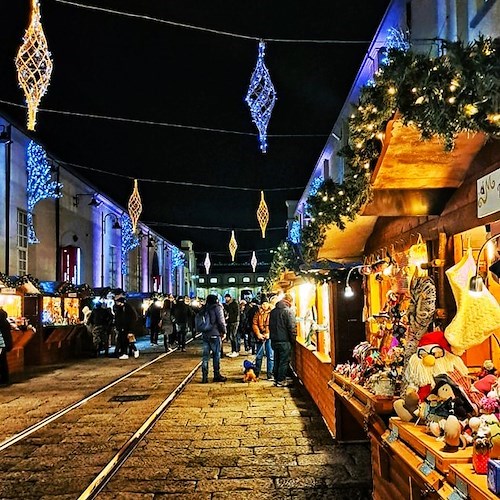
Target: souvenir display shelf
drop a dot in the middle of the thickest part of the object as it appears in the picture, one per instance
(427, 446)
(382, 405)
(476, 487)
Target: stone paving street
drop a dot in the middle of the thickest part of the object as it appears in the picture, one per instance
(216, 441)
(242, 441)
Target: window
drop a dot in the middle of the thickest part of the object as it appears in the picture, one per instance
(201, 280)
(231, 280)
(260, 279)
(213, 280)
(113, 267)
(70, 264)
(22, 242)
(246, 279)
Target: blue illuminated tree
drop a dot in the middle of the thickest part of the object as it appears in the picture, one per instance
(129, 240)
(40, 185)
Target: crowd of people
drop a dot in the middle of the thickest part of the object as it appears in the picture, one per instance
(262, 328)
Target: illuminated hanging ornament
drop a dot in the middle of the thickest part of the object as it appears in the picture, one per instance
(134, 206)
(232, 245)
(418, 253)
(262, 214)
(34, 64)
(261, 97)
(207, 263)
(253, 261)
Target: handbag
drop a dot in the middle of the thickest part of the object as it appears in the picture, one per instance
(131, 337)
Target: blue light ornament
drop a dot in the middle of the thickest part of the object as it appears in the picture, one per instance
(261, 97)
(129, 240)
(40, 185)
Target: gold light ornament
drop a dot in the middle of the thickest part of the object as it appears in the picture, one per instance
(34, 64)
(232, 245)
(263, 214)
(253, 261)
(207, 263)
(134, 207)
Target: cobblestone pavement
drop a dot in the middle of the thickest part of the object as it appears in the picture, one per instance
(216, 441)
(242, 441)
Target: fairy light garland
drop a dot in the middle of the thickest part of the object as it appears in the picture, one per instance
(129, 240)
(40, 185)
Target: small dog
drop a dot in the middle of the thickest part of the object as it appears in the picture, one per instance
(249, 372)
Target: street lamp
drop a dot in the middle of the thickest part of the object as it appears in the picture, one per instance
(94, 202)
(116, 225)
(476, 282)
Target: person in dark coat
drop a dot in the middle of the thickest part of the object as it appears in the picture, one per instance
(213, 339)
(125, 319)
(154, 314)
(233, 318)
(5, 346)
(282, 332)
(181, 313)
(99, 323)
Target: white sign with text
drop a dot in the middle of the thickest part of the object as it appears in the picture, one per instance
(488, 194)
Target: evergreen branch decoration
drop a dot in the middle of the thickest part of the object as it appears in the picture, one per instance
(39, 183)
(442, 96)
(129, 240)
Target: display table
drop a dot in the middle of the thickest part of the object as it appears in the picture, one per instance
(474, 486)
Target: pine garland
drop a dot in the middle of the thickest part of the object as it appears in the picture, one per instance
(442, 96)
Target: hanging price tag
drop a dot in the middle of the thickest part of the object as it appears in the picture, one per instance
(428, 465)
(393, 436)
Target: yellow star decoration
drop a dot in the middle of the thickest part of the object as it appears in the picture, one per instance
(34, 64)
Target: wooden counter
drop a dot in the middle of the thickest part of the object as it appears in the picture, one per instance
(476, 486)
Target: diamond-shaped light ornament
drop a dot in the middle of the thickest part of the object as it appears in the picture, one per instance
(261, 97)
(262, 214)
(207, 263)
(34, 64)
(253, 261)
(232, 245)
(134, 207)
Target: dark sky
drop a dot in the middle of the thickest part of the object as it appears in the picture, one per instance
(106, 64)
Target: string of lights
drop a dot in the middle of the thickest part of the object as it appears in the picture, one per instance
(177, 183)
(207, 30)
(212, 228)
(155, 123)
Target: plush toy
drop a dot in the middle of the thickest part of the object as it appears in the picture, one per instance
(249, 372)
(486, 378)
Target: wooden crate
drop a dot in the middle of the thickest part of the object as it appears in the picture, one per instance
(477, 487)
(427, 446)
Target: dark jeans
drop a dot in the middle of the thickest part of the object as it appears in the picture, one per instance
(282, 355)
(181, 334)
(122, 343)
(234, 336)
(264, 347)
(211, 346)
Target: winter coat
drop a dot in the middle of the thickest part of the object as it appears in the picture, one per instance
(217, 320)
(181, 312)
(101, 316)
(125, 317)
(5, 333)
(260, 324)
(282, 326)
(233, 312)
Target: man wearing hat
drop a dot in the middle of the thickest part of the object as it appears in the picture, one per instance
(282, 332)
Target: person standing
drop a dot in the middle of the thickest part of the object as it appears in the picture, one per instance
(99, 323)
(252, 311)
(181, 314)
(212, 339)
(167, 326)
(282, 332)
(154, 314)
(5, 346)
(262, 343)
(233, 315)
(125, 319)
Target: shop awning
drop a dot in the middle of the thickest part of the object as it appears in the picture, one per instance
(415, 177)
(347, 245)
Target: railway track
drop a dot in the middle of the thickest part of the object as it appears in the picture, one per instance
(79, 448)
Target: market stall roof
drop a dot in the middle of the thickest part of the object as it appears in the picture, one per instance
(347, 245)
(408, 162)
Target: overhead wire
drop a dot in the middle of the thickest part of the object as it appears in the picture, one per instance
(207, 30)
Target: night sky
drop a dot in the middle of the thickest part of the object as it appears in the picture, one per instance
(106, 64)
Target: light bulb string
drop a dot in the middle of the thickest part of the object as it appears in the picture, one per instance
(206, 30)
(155, 123)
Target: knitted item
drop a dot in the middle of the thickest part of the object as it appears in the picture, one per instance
(478, 315)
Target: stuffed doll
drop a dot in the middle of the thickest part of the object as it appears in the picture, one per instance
(486, 378)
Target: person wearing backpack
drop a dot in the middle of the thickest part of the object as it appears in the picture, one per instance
(213, 334)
